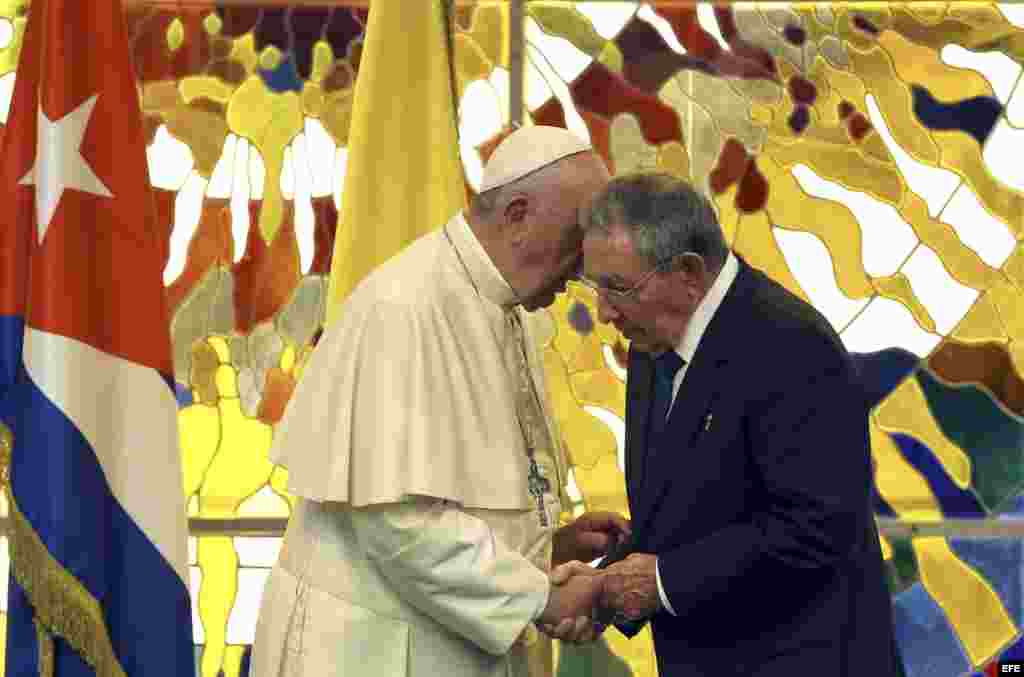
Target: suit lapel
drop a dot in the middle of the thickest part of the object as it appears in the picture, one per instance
(693, 403)
(701, 386)
(638, 411)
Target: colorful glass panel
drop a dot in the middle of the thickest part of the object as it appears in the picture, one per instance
(864, 155)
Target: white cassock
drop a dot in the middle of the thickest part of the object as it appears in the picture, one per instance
(416, 547)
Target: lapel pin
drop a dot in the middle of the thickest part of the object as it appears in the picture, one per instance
(707, 422)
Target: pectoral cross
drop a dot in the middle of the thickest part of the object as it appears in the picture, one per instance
(539, 485)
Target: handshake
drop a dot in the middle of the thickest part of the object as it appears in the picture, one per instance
(585, 600)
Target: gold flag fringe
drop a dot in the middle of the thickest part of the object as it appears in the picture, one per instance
(63, 607)
(45, 640)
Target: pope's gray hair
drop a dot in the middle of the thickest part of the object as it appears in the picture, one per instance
(663, 216)
(485, 203)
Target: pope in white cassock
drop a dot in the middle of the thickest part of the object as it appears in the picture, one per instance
(420, 448)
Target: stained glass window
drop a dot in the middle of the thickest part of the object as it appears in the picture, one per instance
(864, 155)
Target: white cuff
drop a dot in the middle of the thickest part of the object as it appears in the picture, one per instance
(661, 591)
(543, 604)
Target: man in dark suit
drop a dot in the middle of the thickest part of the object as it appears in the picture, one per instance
(754, 549)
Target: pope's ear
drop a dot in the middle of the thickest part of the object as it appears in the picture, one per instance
(516, 210)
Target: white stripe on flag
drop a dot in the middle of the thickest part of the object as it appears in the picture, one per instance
(128, 415)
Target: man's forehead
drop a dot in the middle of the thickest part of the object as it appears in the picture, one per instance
(610, 256)
(614, 237)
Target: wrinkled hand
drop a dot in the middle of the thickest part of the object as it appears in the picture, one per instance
(582, 628)
(589, 536)
(574, 591)
(629, 589)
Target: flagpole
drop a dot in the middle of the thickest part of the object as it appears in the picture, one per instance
(516, 61)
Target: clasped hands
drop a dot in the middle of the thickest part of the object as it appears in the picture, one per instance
(584, 600)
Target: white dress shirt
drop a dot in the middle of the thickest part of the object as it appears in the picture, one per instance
(687, 346)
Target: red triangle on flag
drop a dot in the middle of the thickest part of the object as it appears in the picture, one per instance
(77, 177)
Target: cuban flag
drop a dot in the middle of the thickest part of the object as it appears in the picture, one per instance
(98, 530)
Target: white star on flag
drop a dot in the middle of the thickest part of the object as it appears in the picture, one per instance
(59, 163)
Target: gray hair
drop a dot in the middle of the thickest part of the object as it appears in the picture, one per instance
(664, 217)
(485, 203)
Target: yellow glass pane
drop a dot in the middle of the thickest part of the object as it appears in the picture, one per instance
(900, 163)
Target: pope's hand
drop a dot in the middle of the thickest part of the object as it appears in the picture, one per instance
(589, 536)
(580, 628)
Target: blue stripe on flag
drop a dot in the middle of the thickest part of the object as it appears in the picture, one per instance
(62, 491)
(22, 649)
(12, 337)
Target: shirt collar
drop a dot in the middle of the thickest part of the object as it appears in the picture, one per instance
(481, 269)
(707, 308)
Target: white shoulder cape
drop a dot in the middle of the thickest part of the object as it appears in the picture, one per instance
(406, 394)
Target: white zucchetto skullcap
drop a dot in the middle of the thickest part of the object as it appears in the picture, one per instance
(527, 150)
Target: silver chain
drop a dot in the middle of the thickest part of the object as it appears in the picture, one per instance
(534, 477)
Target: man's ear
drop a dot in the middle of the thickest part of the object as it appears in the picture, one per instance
(691, 266)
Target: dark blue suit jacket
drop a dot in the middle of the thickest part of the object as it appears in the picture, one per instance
(762, 522)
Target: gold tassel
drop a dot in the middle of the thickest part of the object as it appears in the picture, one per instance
(6, 445)
(45, 640)
(63, 607)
